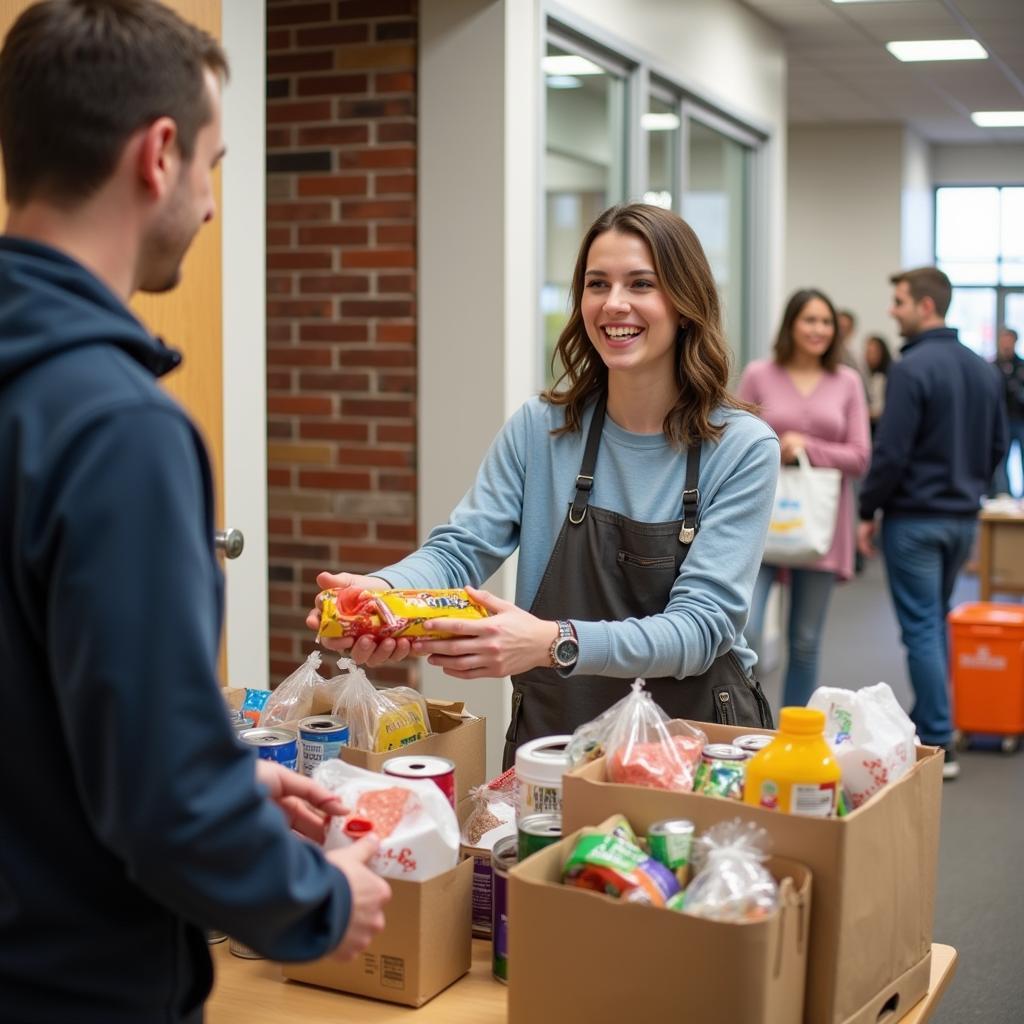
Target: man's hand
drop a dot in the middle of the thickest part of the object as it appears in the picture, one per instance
(507, 642)
(369, 894)
(307, 805)
(866, 538)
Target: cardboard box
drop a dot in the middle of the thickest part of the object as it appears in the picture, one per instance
(457, 735)
(581, 957)
(424, 947)
(874, 877)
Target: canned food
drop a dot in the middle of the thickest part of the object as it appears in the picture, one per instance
(538, 831)
(753, 742)
(503, 856)
(721, 771)
(274, 745)
(239, 722)
(670, 843)
(244, 951)
(438, 770)
(321, 738)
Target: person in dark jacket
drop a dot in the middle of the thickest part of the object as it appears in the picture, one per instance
(941, 435)
(131, 817)
(1009, 368)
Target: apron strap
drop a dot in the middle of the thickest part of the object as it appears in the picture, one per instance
(691, 495)
(585, 477)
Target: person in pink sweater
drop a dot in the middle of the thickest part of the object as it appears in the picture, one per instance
(814, 402)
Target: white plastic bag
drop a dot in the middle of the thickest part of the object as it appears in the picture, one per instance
(416, 826)
(804, 514)
(293, 698)
(378, 720)
(872, 736)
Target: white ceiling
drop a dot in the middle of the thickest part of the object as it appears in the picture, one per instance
(840, 71)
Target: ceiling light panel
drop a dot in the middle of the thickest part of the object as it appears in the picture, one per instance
(937, 49)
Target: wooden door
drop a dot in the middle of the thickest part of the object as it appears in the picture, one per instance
(190, 317)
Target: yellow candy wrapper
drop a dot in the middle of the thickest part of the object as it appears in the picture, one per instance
(393, 613)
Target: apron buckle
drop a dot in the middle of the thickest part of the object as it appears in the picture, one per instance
(686, 534)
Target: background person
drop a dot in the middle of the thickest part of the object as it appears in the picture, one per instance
(1010, 368)
(638, 493)
(815, 404)
(131, 816)
(877, 360)
(941, 436)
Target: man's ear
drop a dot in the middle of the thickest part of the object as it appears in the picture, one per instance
(158, 157)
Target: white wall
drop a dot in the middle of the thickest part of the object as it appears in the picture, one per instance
(243, 276)
(917, 241)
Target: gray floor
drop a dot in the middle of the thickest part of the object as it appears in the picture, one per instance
(980, 899)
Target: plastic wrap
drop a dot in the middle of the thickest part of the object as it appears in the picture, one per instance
(383, 614)
(378, 720)
(293, 698)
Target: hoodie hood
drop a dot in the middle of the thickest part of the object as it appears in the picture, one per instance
(49, 304)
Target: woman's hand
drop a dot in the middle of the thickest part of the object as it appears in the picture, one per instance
(507, 642)
(365, 650)
(307, 805)
(792, 442)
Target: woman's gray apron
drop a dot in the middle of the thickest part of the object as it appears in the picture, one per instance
(607, 567)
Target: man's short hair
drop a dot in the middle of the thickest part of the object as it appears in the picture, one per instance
(79, 77)
(927, 282)
(1011, 332)
(848, 313)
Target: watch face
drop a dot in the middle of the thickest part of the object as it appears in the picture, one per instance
(567, 651)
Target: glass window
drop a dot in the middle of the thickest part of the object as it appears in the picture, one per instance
(661, 128)
(715, 206)
(584, 169)
(973, 313)
(967, 234)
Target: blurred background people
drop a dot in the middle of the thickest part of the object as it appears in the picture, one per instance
(877, 359)
(1010, 368)
(846, 324)
(814, 403)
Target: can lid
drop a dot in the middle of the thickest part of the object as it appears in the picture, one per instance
(413, 767)
(543, 761)
(723, 752)
(356, 828)
(802, 721)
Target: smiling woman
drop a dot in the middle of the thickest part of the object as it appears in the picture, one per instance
(638, 493)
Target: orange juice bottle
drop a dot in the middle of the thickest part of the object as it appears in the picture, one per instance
(797, 771)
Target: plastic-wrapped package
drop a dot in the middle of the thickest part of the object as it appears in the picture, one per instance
(293, 698)
(378, 720)
(492, 818)
(416, 826)
(643, 746)
(872, 736)
(392, 613)
(732, 883)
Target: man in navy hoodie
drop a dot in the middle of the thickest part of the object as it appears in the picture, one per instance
(131, 817)
(941, 436)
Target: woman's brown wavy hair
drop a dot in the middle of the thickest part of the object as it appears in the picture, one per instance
(702, 355)
(785, 346)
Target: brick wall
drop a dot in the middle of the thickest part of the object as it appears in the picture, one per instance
(341, 286)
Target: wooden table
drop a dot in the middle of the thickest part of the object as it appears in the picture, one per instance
(253, 992)
(1000, 553)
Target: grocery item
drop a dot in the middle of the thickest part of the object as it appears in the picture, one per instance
(797, 772)
(438, 770)
(872, 736)
(732, 883)
(662, 764)
(753, 742)
(274, 745)
(536, 831)
(378, 720)
(321, 737)
(253, 703)
(492, 818)
(540, 765)
(292, 699)
(721, 771)
(392, 613)
(503, 857)
(617, 867)
(670, 843)
(239, 721)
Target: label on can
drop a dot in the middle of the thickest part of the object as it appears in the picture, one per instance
(483, 895)
(274, 745)
(502, 858)
(438, 770)
(321, 738)
(538, 831)
(670, 843)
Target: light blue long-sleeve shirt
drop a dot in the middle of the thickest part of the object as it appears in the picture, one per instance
(520, 499)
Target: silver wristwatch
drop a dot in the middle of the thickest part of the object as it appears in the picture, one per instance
(565, 648)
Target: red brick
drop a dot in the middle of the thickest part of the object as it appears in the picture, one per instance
(395, 233)
(279, 430)
(377, 157)
(299, 259)
(401, 433)
(355, 110)
(391, 131)
(395, 209)
(401, 333)
(390, 284)
(330, 480)
(399, 81)
(284, 63)
(340, 381)
(333, 332)
(335, 234)
(373, 8)
(279, 39)
(311, 308)
(279, 332)
(279, 284)
(395, 383)
(279, 138)
(300, 404)
(374, 554)
(310, 110)
(280, 524)
(283, 597)
(291, 212)
(294, 549)
(397, 531)
(282, 643)
(281, 668)
(333, 430)
(395, 184)
(278, 235)
(378, 258)
(332, 85)
(332, 35)
(393, 458)
(333, 185)
(279, 477)
(333, 284)
(376, 307)
(333, 134)
(378, 356)
(297, 14)
(333, 528)
(298, 355)
(279, 380)
(393, 408)
(397, 481)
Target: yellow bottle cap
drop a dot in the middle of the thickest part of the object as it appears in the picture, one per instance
(803, 721)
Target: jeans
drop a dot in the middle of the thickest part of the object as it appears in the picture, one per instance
(1001, 478)
(810, 591)
(923, 556)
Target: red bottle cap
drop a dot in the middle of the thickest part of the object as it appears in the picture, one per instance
(356, 828)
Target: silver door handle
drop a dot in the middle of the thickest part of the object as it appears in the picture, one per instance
(230, 541)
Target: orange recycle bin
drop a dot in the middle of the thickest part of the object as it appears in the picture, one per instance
(986, 663)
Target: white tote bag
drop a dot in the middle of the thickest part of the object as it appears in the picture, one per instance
(804, 514)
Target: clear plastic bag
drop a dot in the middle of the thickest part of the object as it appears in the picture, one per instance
(732, 883)
(378, 720)
(872, 736)
(492, 818)
(293, 698)
(643, 746)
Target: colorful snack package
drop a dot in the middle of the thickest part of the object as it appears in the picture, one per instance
(613, 865)
(392, 613)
